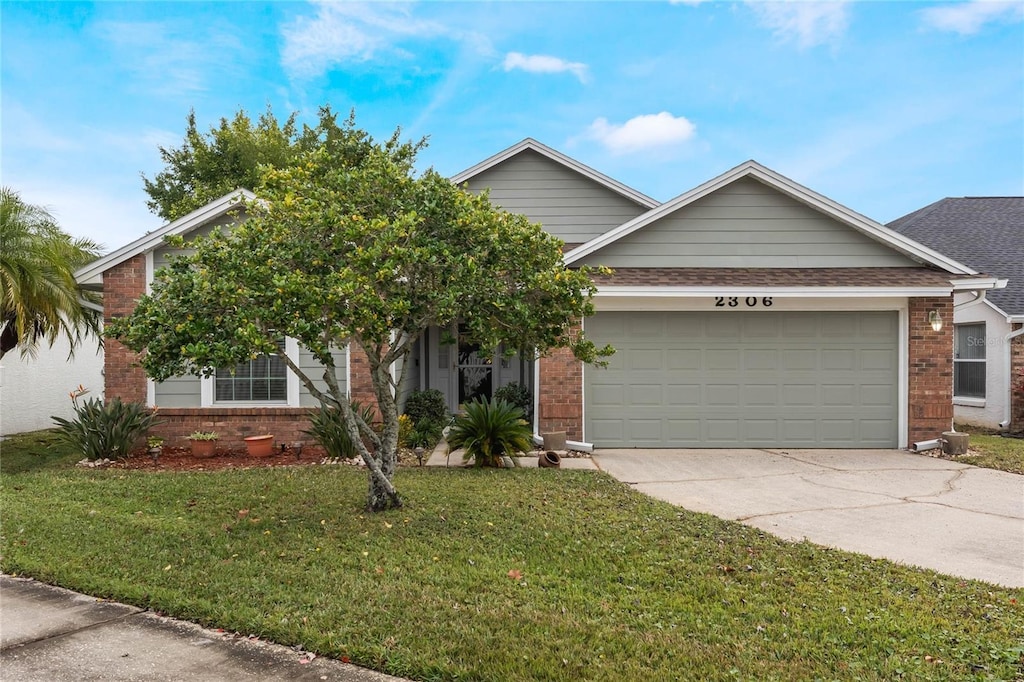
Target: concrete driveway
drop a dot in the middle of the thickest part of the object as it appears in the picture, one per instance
(909, 508)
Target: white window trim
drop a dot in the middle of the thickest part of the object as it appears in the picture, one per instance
(206, 386)
(970, 400)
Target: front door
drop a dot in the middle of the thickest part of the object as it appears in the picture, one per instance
(475, 370)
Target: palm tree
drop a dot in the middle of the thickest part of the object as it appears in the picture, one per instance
(39, 297)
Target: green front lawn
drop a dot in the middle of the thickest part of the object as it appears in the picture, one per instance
(500, 575)
(993, 451)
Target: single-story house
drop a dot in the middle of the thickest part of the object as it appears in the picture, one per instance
(986, 233)
(749, 311)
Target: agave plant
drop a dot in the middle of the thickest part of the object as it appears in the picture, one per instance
(327, 427)
(105, 430)
(488, 430)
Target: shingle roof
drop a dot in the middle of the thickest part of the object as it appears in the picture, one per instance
(777, 277)
(986, 233)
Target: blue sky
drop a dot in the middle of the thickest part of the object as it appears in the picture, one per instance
(882, 106)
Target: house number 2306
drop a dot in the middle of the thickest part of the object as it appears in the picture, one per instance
(736, 301)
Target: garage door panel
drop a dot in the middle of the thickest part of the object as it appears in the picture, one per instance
(876, 395)
(722, 359)
(645, 358)
(683, 395)
(876, 358)
(645, 431)
(760, 395)
(761, 430)
(797, 359)
(645, 394)
(843, 360)
(722, 431)
(744, 379)
(764, 359)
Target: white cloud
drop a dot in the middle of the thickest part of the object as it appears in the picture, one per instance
(539, 63)
(648, 131)
(807, 23)
(342, 32)
(967, 18)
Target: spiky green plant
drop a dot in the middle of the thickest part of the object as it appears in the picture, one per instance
(488, 430)
(327, 427)
(108, 430)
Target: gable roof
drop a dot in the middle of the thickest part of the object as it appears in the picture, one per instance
(542, 149)
(752, 169)
(985, 232)
(92, 274)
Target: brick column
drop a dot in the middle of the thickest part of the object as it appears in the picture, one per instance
(930, 370)
(1017, 381)
(361, 388)
(561, 394)
(123, 284)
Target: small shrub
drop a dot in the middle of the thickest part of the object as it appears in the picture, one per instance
(327, 427)
(101, 430)
(204, 435)
(425, 434)
(427, 405)
(488, 430)
(518, 395)
(405, 429)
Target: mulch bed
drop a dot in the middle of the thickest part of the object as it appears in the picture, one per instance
(182, 459)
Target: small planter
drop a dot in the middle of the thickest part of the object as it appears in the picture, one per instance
(549, 459)
(203, 448)
(260, 446)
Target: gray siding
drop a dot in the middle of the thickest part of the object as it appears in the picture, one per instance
(747, 225)
(178, 392)
(571, 206)
(162, 253)
(313, 369)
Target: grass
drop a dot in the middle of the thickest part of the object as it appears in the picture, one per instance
(35, 451)
(499, 575)
(994, 451)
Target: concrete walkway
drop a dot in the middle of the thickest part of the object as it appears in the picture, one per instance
(910, 508)
(48, 634)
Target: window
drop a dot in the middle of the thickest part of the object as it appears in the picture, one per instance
(263, 379)
(969, 360)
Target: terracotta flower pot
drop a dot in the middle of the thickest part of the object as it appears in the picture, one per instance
(549, 459)
(203, 448)
(260, 446)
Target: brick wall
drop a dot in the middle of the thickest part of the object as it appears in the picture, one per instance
(930, 369)
(122, 286)
(561, 394)
(361, 388)
(1017, 372)
(233, 424)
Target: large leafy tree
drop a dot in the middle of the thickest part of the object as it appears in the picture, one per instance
(209, 165)
(39, 297)
(349, 245)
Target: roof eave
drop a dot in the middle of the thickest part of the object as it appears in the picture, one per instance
(863, 224)
(92, 274)
(556, 156)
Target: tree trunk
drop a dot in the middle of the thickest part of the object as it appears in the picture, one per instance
(379, 497)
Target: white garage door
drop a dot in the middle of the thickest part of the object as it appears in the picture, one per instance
(744, 379)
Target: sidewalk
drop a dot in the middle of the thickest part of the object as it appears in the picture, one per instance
(51, 634)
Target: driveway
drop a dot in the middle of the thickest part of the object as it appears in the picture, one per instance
(909, 508)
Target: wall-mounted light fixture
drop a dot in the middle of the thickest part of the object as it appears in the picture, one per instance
(935, 320)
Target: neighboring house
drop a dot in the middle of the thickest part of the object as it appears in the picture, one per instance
(986, 233)
(32, 390)
(747, 312)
